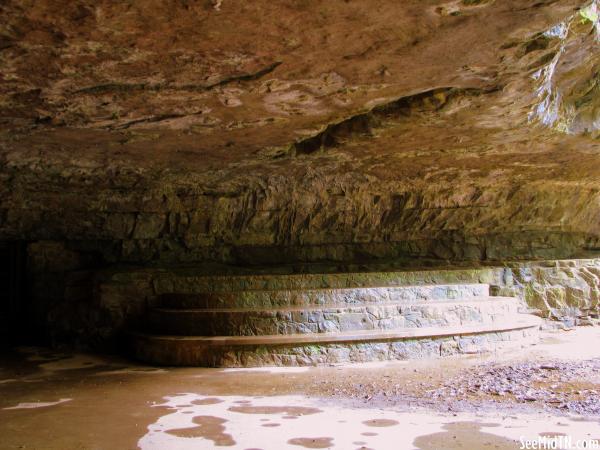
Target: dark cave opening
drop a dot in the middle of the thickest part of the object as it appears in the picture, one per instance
(13, 298)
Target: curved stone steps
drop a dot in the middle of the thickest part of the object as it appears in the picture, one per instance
(305, 319)
(291, 297)
(330, 317)
(318, 348)
(189, 281)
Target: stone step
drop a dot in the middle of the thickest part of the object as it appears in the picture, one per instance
(330, 317)
(323, 348)
(241, 320)
(189, 281)
(356, 295)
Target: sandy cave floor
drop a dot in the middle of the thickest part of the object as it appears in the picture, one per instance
(54, 400)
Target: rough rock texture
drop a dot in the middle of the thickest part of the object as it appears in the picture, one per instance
(120, 297)
(317, 131)
(565, 290)
(311, 355)
(329, 318)
(300, 131)
(91, 308)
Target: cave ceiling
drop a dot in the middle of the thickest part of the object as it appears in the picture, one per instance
(298, 105)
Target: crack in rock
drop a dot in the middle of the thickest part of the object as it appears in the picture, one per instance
(131, 87)
(364, 123)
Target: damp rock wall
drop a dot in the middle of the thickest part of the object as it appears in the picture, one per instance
(73, 302)
(311, 216)
(260, 148)
(282, 135)
(561, 290)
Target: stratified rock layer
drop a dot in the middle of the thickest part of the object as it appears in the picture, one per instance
(332, 131)
(346, 135)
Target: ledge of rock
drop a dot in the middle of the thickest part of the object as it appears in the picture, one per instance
(332, 131)
(335, 133)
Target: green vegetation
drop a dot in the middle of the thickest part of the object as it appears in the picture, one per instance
(589, 13)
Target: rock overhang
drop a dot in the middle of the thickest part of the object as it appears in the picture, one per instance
(331, 131)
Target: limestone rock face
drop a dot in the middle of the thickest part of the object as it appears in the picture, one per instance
(300, 131)
(564, 290)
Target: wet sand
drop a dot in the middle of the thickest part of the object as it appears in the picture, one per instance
(55, 400)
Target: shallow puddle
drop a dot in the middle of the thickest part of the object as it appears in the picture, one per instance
(33, 405)
(464, 435)
(207, 401)
(292, 411)
(381, 423)
(250, 424)
(318, 442)
(209, 427)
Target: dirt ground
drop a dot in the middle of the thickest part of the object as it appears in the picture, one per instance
(54, 400)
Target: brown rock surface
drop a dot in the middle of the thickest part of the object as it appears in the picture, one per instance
(301, 130)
